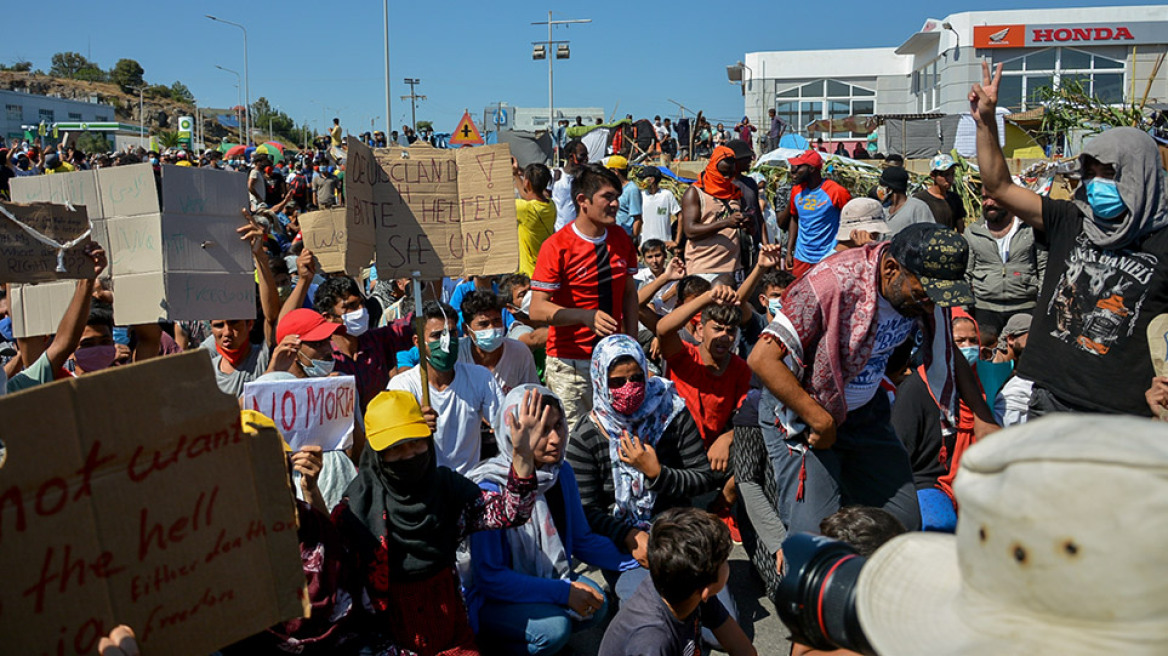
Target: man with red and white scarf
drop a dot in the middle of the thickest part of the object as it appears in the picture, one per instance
(826, 428)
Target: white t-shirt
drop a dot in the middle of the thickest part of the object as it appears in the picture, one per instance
(662, 131)
(472, 396)
(892, 328)
(644, 276)
(656, 211)
(515, 368)
(562, 197)
(1003, 242)
(1012, 406)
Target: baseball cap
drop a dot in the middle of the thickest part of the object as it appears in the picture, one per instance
(618, 162)
(309, 324)
(861, 214)
(252, 422)
(52, 161)
(1019, 324)
(942, 162)
(1059, 533)
(741, 148)
(895, 178)
(651, 172)
(393, 417)
(937, 256)
(809, 157)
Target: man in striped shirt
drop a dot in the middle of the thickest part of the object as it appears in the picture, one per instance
(583, 287)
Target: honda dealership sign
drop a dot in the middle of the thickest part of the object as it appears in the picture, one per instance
(1042, 36)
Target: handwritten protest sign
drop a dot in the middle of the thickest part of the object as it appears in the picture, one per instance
(437, 211)
(24, 258)
(308, 411)
(160, 514)
(338, 244)
(171, 244)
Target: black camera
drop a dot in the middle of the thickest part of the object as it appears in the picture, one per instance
(816, 598)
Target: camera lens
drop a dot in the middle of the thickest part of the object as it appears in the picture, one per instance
(817, 596)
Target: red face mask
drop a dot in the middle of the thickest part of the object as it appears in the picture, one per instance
(627, 398)
(236, 355)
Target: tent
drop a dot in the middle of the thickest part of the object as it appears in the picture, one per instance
(528, 147)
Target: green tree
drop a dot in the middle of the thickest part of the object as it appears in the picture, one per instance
(158, 91)
(69, 64)
(168, 139)
(127, 74)
(93, 142)
(180, 93)
(20, 66)
(260, 109)
(90, 74)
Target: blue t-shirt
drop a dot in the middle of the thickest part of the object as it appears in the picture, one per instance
(818, 211)
(630, 206)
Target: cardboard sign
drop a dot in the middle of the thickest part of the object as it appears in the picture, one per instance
(24, 258)
(160, 514)
(339, 245)
(440, 212)
(308, 411)
(172, 246)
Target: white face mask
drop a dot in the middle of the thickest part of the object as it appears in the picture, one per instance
(318, 368)
(489, 339)
(356, 322)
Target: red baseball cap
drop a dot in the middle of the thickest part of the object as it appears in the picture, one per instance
(809, 157)
(309, 324)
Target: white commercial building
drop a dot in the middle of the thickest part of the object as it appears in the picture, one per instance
(1111, 50)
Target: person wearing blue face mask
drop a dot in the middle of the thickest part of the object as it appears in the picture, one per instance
(509, 360)
(1107, 272)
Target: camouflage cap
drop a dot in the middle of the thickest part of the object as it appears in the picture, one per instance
(937, 256)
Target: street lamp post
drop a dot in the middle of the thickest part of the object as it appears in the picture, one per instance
(548, 53)
(388, 115)
(141, 117)
(238, 88)
(246, 77)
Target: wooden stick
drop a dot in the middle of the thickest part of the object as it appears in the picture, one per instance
(420, 331)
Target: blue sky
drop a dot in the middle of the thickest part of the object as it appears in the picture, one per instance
(309, 56)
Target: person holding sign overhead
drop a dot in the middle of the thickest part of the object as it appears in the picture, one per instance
(405, 516)
(583, 287)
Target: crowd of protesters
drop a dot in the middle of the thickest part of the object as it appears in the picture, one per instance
(654, 355)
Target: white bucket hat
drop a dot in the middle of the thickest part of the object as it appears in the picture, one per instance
(1062, 548)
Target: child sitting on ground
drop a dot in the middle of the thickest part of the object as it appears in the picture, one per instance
(688, 566)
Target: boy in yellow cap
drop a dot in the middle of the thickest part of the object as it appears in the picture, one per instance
(629, 214)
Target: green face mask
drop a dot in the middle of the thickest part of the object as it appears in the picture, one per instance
(443, 359)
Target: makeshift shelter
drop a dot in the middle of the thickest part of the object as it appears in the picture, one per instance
(528, 147)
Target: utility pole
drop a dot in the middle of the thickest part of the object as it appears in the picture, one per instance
(141, 118)
(388, 114)
(413, 98)
(562, 52)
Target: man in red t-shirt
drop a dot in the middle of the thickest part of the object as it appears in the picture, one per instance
(710, 378)
(583, 287)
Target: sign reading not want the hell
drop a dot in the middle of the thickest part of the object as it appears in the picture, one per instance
(133, 497)
(436, 211)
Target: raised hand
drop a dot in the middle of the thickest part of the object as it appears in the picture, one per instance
(983, 98)
(306, 265)
(675, 270)
(94, 252)
(723, 295)
(527, 431)
(770, 256)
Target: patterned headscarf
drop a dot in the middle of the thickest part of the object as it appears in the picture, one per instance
(634, 500)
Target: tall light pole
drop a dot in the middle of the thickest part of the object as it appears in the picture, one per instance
(246, 77)
(388, 115)
(238, 88)
(562, 52)
(413, 98)
(141, 117)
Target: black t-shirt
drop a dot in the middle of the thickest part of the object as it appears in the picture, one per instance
(1088, 344)
(917, 422)
(646, 627)
(948, 211)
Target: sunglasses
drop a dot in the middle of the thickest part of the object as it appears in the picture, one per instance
(614, 383)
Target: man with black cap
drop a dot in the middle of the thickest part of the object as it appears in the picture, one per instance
(900, 210)
(659, 208)
(1107, 273)
(826, 425)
